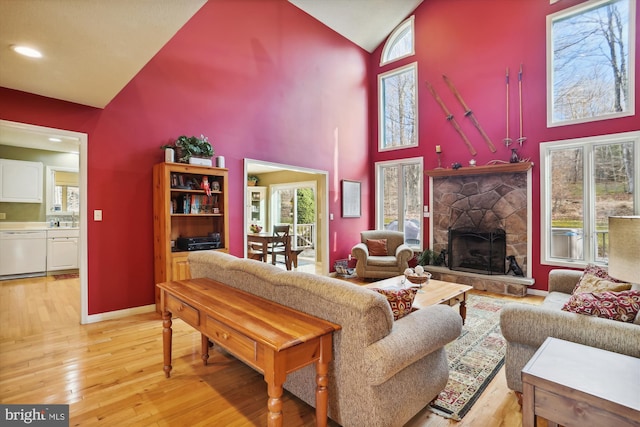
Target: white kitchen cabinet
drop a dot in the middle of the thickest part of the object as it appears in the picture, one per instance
(21, 181)
(62, 249)
(256, 206)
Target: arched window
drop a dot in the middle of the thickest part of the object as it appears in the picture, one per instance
(400, 43)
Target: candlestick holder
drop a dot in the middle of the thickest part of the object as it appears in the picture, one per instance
(439, 161)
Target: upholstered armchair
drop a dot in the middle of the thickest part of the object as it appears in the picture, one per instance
(381, 254)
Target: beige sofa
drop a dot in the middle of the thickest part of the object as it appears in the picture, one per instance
(383, 372)
(382, 267)
(526, 326)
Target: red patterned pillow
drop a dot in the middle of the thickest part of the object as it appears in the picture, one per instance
(622, 306)
(400, 300)
(377, 247)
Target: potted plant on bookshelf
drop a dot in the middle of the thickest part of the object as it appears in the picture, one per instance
(252, 180)
(192, 149)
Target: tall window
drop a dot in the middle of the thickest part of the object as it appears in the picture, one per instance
(400, 43)
(590, 62)
(399, 198)
(584, 182)
(397, 95)
(398, 108)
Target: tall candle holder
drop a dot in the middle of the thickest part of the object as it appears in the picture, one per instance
(438, 153)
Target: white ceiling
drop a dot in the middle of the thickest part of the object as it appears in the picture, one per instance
(93, 48)
(365, 22)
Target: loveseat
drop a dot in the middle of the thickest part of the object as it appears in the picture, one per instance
(383, 371)
(392, 262)
(526, 326)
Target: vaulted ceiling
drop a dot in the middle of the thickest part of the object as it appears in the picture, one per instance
(93, 48)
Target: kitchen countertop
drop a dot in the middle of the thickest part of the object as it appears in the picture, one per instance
(31, 226)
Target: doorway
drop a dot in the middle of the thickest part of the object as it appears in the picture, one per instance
(295, 204)
(58, 140)
(287, 186)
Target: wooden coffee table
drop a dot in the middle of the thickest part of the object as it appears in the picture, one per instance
(434, 292)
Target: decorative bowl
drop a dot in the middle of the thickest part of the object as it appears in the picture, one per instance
(418, 280)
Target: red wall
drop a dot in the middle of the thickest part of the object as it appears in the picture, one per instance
(261, 79)
(264, 80)
(473, 42)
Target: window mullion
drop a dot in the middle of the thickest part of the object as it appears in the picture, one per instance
(589, 194)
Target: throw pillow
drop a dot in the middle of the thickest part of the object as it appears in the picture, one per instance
(377, 247)
(596, 279)
(400, 300)
(622, 306)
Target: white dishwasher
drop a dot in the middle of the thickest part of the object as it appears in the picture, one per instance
(23, 252)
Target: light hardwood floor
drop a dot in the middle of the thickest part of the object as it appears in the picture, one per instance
(110, 373)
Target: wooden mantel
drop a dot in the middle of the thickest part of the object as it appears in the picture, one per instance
(481, 170)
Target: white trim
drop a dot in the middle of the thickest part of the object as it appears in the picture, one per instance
(84, 218)
(413, 67)
(322, 204)
(537, 292)
(119, 314)
(580, 8)
(545, 190)
(378, 189)
(393, 37)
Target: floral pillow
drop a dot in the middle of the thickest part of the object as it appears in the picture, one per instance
(400, 300)
(622, 306)
(596, 279)
(377, 247)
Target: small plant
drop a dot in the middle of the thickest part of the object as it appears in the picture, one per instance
(252, 178)
(192, 146)
(426, 257)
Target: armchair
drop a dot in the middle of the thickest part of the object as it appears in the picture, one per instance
(392, 264)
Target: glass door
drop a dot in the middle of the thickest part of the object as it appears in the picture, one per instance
(295, 204)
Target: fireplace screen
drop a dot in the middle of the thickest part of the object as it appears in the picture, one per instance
(477, 252)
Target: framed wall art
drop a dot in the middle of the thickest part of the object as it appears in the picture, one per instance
(351, 199)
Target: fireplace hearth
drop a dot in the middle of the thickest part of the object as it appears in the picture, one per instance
(476, 251)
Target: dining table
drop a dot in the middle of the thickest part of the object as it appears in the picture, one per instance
(264, 239)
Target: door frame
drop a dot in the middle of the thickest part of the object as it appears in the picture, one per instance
(39, 133)
(321, 203)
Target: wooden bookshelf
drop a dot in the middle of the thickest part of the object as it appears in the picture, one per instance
(182, 209)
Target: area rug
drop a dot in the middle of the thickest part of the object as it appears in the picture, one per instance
(474, 358)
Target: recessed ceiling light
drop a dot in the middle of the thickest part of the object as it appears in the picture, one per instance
(55, 140)
(27, 51)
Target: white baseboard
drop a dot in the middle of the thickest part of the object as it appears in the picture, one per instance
(119, 314)
(537, 292)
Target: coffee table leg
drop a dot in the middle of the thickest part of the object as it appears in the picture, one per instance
(166, 341)
(463, 310)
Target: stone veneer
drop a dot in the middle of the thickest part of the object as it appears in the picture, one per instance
(483, 202)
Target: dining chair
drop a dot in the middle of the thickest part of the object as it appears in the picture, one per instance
(280, 244)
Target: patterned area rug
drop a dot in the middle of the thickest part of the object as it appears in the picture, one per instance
(474, 358)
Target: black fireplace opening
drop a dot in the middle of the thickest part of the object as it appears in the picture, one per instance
(477, 252)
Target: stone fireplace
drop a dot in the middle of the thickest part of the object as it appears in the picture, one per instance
(482, 200)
